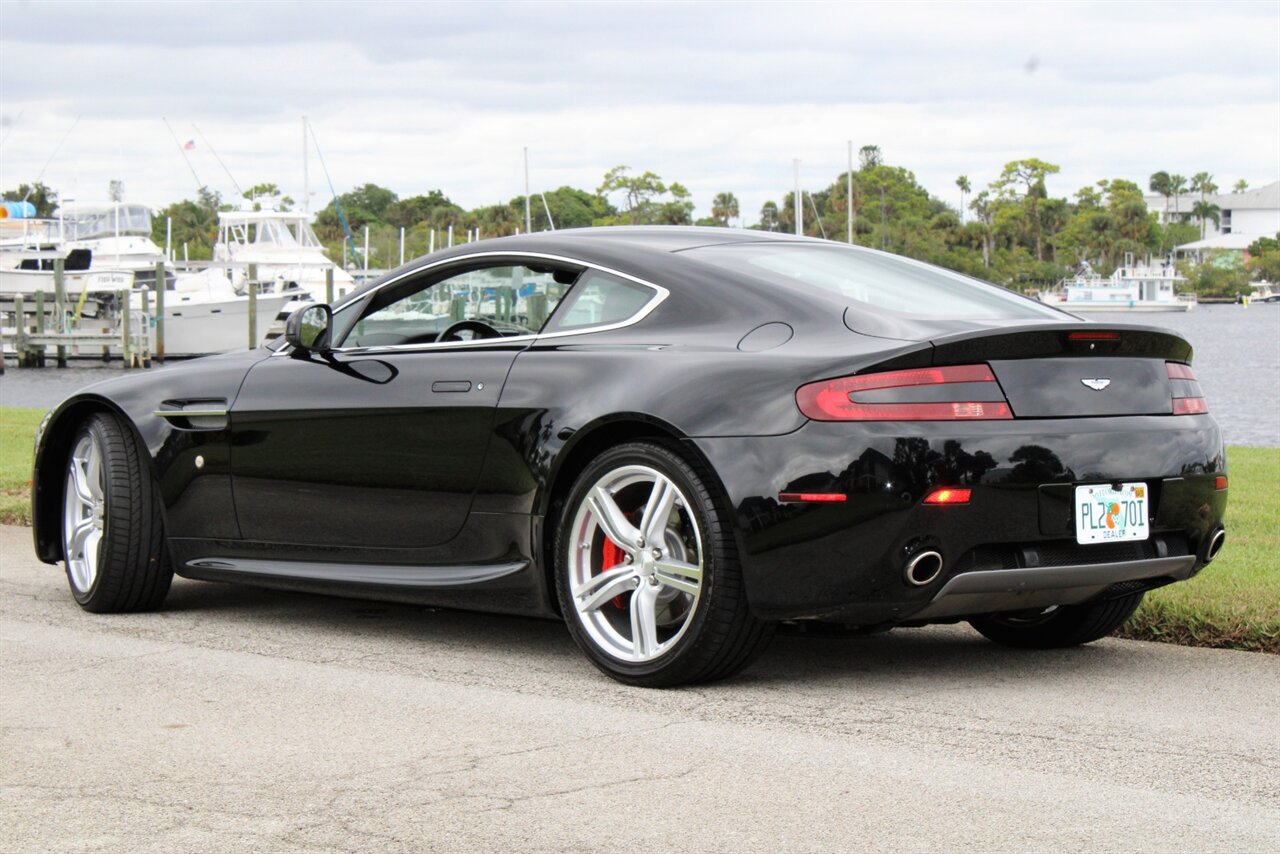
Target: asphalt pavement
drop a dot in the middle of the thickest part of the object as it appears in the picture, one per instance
(251, 720)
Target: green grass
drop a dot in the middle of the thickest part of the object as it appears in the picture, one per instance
(1233, 603)
(17, 432)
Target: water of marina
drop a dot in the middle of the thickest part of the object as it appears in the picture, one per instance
(1237, 359)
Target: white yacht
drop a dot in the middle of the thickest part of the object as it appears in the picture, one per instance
(119, 236)
(283, 248)
(1132, 287)
(29, 249)
(107, 250)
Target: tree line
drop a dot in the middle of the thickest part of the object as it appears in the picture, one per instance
(1011, 231)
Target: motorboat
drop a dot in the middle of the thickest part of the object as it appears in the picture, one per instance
(1132, 287)
(283, 249)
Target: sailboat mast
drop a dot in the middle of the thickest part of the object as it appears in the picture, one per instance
(797, 205)
(849, 191)
(306, 193)
(527, 217)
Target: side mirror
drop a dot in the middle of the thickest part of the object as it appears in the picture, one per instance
(309, 328)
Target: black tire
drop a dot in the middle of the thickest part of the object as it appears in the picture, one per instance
(1066, 625)
(133, 570)
(720, 635)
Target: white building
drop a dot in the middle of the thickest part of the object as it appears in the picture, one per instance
(1255, 213)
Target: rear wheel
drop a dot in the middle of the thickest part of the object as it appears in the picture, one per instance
(113, 538)
(647, 572)
(1059, 626)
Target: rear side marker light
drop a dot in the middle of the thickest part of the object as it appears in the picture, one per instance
(837, 399)
(1186, 391)
(1189, 406)
(812, 497)
(1220, 482)
(948, 495)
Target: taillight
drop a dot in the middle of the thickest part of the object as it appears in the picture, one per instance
(1187, 397)
(812, 497)
(948, 495)
(912, 395)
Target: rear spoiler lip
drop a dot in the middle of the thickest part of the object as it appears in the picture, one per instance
(1039, 340)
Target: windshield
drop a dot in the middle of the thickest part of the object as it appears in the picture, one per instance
(887, 282)
(274, 232)
(121, 219)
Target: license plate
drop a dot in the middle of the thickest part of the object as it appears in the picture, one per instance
(1105, 514)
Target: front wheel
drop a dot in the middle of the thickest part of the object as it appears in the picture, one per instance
(1060, 626)
(113, 538)
(647, 572)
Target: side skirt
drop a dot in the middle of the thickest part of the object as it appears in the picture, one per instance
(507, 588)
(357, 574)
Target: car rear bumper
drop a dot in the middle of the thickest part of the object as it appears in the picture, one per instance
(987, 590)
(1011, 547)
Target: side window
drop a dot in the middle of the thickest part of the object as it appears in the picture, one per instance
(483, 302)
(598, 300)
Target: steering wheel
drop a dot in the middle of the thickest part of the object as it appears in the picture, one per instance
(479, 330)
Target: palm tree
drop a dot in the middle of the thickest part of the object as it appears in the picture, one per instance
(1202, 183)
(1240, 186)
(984, 207)
(1207, 210)
(1177, 183)
(769, 216)
(1159, 183)
(963, 183)
(724, 207)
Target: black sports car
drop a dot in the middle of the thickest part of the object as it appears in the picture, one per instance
(674, 438)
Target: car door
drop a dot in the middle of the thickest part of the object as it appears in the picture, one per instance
(378, 443)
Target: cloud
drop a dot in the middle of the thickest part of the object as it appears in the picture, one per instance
(717, 96)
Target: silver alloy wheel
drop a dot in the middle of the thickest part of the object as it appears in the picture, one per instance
(84, 513)
(639, 517)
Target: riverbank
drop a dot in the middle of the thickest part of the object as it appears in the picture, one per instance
(1233, 604)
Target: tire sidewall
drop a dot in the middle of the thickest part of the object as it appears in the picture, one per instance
(93, 428)
(669, 464)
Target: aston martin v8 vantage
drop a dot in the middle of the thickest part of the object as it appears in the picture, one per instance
(672, 438)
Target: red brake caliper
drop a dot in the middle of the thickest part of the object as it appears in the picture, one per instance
(611, 554)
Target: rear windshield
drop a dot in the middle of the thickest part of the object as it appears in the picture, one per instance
(887, 282)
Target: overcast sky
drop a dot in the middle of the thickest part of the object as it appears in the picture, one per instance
(716, 96)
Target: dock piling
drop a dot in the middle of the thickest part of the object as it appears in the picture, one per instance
(161, 284)
(252, 289)
(60, 304)
(253, 315)
(125, 336)
(37, 355)
(20, 332)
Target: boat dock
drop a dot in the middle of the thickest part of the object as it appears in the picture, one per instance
(135, 325)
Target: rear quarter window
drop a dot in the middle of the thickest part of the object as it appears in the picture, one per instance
(885, 282)
(599, 299)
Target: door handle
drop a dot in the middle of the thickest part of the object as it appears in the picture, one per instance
(451, 386)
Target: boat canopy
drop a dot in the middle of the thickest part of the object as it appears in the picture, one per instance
(91, 223)
(268, 228)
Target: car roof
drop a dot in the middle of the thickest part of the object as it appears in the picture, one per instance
(638, 238)
(633, 248)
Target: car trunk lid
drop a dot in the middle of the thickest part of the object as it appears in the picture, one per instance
(1066, 370)
(1065, 387)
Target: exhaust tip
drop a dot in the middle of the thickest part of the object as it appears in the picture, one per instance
(923, 569)
(1215, 544)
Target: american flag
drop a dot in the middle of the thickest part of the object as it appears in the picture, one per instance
(191, 144)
